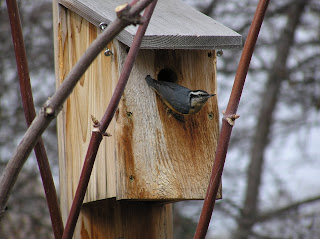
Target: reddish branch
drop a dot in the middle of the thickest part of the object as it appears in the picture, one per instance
(277, 73)
(97, 135)
(229, 116)
(30, 114)
(54, 104)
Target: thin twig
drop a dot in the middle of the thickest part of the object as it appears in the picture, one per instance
(276, 213)
(230, 116)
(54, 104)
(97, 135)
(30, 114)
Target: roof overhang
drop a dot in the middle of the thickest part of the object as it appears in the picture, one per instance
(174, 25)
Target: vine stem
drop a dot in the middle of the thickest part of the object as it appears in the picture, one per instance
(54, 104)
(97, 133)
(228, 120)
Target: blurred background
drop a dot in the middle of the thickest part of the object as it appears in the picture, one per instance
(271, 180)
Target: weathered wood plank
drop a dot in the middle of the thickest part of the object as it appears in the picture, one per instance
(112, 219)
(174, 25)
(151, 155)
(158, 156)
(90, 97)
(60, 42)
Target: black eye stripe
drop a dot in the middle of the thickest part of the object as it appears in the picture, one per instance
(198, 95)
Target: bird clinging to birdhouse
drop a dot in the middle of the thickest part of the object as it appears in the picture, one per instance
(179, 99)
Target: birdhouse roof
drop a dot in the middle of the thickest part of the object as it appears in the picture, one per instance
(174, 25)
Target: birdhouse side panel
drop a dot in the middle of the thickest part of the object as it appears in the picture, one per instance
(90, 97)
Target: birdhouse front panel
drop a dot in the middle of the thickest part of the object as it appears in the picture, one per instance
(159, 154)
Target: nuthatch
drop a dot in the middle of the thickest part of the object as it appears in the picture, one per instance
(179, 99)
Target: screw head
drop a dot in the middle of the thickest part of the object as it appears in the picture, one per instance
(108, 52)
(103, 26)
(129, 114)
(219, 52)
(210, 115)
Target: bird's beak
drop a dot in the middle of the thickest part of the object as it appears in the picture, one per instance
(209, 96)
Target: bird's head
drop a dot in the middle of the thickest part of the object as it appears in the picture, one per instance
(197, 99)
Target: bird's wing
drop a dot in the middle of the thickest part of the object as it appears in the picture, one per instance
(169, 92)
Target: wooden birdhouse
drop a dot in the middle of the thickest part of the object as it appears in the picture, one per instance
(152, 154)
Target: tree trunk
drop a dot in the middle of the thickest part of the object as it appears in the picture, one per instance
(260, 139)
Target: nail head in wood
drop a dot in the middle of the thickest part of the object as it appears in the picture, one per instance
(108, 52)
(103, 26)
(219, 53)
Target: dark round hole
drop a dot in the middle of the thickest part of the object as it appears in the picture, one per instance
(167, 74)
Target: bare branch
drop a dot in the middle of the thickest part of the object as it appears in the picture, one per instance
(226, 128)
(276, 213)
(30, 114)
(209, 8)
(97, 135)
(261, 138)
(41, 122)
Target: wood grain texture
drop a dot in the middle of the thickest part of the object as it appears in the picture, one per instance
(174, 25)
(125, 219)
(151, 154)
(90, 97)
(60, 31)
(158, 156)
(107, 218)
